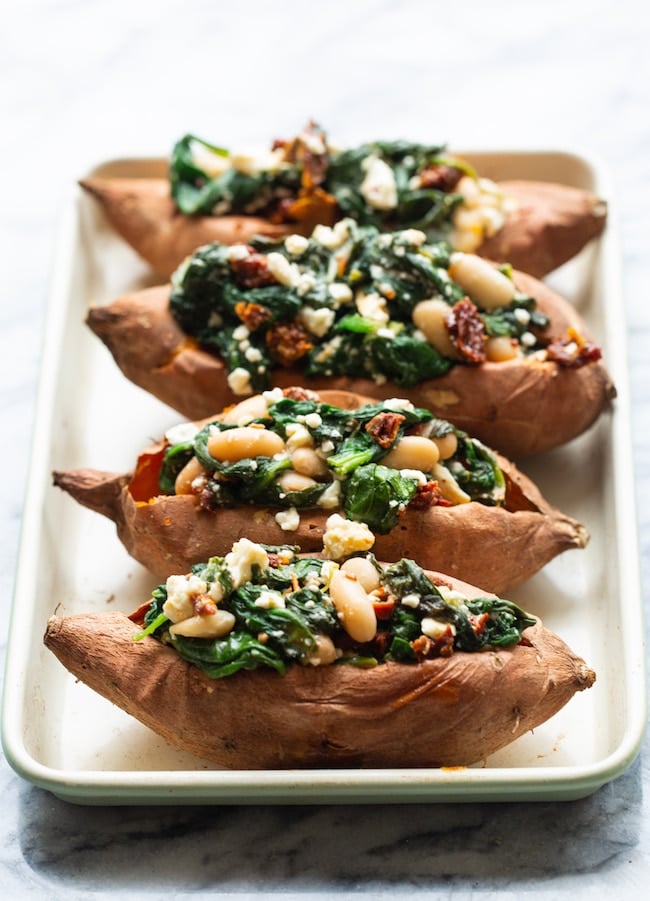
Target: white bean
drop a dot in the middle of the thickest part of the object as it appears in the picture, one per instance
(363, 570)
(211, 625)
(325, 651)
(449, 487)
(247, 441)
(412, 452)
(353, 606)
(306, 461)
(486, 286)
(447, 445)
(252, 408)
(430, 317)
(294, 481)
(192, 470)
(501, 348)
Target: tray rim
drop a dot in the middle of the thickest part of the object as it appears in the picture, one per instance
(326, 786)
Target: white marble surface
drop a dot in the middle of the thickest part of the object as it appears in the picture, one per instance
(83, 82)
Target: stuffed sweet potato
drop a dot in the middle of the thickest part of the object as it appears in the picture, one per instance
(275, 467)
(262, 659)
(497, 353)
(213, 195)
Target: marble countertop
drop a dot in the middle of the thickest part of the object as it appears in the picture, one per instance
(81, 83)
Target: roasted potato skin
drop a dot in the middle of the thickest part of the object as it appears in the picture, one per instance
(496, 547)
(492, 402)
(456, 711)
(548, 225)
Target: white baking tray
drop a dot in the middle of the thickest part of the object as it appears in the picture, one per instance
(61, 736)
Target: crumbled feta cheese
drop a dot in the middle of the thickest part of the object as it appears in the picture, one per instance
(269, 600)
(434, 629)
(297, 436)
(452, 595)
(373, 306)
(306, 283)
(413, 236)
(328, 569)
(241, 559)
(239, 381)
(237, 252)
(313, 420)
(181, 592)
(241, 333)
(332, 238)
(522, 315)
(340, 292)
(213, 164)
(528, 339)
(273, 396)
(378, 188)
(253, 354)
(331, 497)
(386, 333)
(411, 600)
(326, 447)
(344, 536)
(282, 270)
(318, 322)
(398, 403)
(181, 433)
(288, 520)
(296, 245)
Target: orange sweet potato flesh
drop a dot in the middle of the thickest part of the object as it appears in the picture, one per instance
(496, 547)
(455, 711)
(550, 223)
(519, 407)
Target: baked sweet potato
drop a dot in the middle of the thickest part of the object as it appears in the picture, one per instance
(456, 706)
(545, 388)
(211, 196)
(498, 530)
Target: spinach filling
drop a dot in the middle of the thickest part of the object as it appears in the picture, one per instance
(287, 632)
(352, 450)
(342, 309)
(208, 180)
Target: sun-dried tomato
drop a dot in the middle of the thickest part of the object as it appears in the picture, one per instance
(253, 315)
(288, 342)
(439, 176)
(252, 271)
(204, 605)
(443, 646)
(428, 495)
(466, 331)
(383, 427)
(479, 622)
(295, 392)
(572, 354)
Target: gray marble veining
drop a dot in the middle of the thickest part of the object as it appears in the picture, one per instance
(83, 82)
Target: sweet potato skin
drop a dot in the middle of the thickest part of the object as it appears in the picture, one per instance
(492, 402)
(168, 534)
(455, 711)
(142, 211)
(549, 224)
